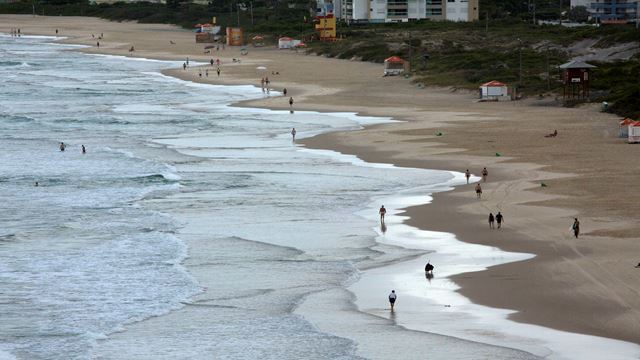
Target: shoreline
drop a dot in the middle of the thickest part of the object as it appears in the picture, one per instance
(457, 204)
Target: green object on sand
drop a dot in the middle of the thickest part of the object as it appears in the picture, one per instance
(498, 154)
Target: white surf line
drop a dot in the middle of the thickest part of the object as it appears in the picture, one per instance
(433, 305)
(462, 318)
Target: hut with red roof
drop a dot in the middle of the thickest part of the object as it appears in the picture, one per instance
(494, 91)
(634, 132)
(395, 66)
(624, 127)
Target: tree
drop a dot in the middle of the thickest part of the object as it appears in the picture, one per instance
(579, 14)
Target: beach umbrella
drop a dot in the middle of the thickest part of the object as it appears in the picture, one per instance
(261, 70)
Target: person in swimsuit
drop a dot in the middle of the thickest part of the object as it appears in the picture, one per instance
(84, 150)
(467, 174)
(293, 134)
(491, 219)
(485, 173)
(576, 227)
(392, 298)
(478, 190)
(62, 146)
(382, 212)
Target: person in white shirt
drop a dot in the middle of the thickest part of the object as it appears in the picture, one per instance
(392, 298)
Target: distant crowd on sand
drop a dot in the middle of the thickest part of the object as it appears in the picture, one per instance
(15, 32)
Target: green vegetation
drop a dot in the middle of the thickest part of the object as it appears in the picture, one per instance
(509, 49)
(466, 55)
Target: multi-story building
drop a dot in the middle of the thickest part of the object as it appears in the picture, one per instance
(610, 10)
(405, 10)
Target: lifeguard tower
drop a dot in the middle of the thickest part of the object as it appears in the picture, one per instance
(576, 79)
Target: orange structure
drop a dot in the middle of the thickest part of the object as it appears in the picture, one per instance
(235, 36)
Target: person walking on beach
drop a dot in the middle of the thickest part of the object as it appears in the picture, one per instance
(382, 212)
(290, 102)
(485, 173)
(478, 190)
(491, 219)
(218, 71)
(84, 150)
(576, 227)
(293, 134)
(98, 43)
(187, 61)
(499, 219)
(392, 298)
(284, 91)
(206, 73)
(62, 146)
(467, 174)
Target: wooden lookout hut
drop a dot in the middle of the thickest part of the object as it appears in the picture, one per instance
(576, 79)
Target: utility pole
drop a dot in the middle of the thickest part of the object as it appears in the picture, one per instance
(534, 13)
(486, 23)
(520, 63)
(251, 7)
(637, 14)
(33, 8)
(410, 50)
(560, 13)
(548, 71)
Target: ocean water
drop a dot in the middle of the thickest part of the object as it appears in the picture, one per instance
(190, 229)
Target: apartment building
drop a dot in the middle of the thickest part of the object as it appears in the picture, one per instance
(610, 10)
(406, 10)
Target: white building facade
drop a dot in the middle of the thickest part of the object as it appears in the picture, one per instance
(405, 10)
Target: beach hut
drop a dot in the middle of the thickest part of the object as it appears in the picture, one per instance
(624, 127)
(634, 132)
(494, 91)
(285, 42)
(257, 41)
(235, 36)
(395, 66)
(576, 78)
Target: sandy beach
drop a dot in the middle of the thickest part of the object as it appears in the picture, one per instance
(587, 285)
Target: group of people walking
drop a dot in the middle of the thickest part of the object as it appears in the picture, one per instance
(498, 218)
(478, 187)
